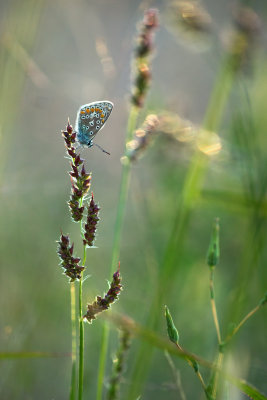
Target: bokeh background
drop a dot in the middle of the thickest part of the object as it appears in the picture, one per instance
(57, 55)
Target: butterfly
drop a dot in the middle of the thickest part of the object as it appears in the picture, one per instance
(90, 120)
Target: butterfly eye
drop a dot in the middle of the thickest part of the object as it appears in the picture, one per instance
(97, 126)
(97, 115)
(98, 122)
(92, 123)
(91, 133)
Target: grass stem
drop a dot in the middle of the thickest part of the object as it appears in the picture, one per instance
(213, 306)
(214, 382)
(81, 323)
(216, 376)
(241, 323)
(125, 178)
(73, 340)
(176, 375)
(198, 374)
(81, 346)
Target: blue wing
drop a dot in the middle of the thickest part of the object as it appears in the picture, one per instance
(90, 120)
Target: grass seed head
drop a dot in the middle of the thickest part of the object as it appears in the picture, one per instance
(80, 180)
(103, 303)
(91, 223)
(69, 263)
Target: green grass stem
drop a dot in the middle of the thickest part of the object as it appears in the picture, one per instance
(81, 323)
(124, 185)
(215, 376)
(213, 306)
(73, 341)
(241, 323)
(198, 374)
(81, 345)
(176, 375)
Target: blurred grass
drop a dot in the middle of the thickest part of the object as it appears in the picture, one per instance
(18, 32)
(190, 192)
(35, 188)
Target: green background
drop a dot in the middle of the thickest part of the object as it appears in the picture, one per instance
(51, 63)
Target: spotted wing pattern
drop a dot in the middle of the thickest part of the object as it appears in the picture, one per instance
(90, 119)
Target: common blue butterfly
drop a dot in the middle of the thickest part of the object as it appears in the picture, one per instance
(90, 119)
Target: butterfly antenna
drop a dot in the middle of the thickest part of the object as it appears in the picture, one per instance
(101, 148)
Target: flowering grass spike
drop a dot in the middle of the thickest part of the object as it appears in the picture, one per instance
(80, 180)
(69, 263)
(142, 138)
(91, 223)
(143, 50)
(101, 304)
(242, 41)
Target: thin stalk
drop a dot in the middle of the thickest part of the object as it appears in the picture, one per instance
(213, 306)
(217, 327)
(241, 323)
(124, 185)
(216, 376)
(81, 323)
(73, 341)
(176, 375)
(81, 346)
(198, 374)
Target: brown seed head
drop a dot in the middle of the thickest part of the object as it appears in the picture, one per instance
(103, 303)
(69, 263)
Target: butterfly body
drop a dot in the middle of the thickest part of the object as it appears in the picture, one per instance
(90, 120)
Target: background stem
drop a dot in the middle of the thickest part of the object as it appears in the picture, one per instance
(241, 323)
(125, 178)
(213, 306)
(214, 382)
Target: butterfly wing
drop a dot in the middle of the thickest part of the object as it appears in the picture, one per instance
(90, 120)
